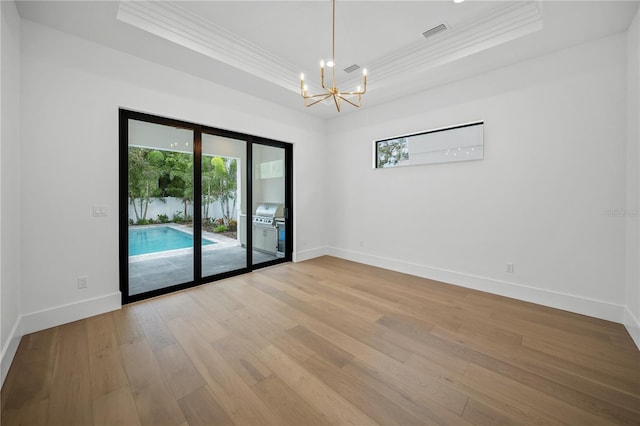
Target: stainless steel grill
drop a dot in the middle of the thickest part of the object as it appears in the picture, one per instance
(267, 213)
(265, 230)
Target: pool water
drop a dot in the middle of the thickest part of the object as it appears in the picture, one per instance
(159, 238)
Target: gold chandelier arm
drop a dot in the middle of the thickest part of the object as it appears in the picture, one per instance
(315, 102)
(336, 99)
(359, 92)
(316, 96)
(357, 105)
(326, 95)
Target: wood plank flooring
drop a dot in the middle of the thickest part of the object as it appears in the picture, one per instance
(322, 342)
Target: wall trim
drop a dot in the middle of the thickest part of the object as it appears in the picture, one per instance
(568, 302)
(58, 315)
(9, 350)
(632, 324)
(301, 256)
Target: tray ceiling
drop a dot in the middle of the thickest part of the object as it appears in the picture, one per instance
(261, 47)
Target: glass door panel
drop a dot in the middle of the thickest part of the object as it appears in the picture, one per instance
(224, 194)
(268, 198)
(160, 198)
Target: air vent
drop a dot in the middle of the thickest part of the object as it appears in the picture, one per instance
(435, 30)
(352, 68)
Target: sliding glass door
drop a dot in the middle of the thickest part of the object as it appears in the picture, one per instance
(160, 206)
(224, 201)
(189, 196)
(268, 190)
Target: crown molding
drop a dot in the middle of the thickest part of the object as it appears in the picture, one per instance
(175, 23)
(500, 25)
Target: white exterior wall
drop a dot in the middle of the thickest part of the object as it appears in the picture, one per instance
(167, 206)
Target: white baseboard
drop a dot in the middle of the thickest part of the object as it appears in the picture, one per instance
(301, 256)
(567, 302)
(632, 324)
(52, 317)
(9, 350)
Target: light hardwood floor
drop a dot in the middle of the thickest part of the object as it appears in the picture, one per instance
(326, 342)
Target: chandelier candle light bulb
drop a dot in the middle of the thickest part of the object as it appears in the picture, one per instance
(354, 98)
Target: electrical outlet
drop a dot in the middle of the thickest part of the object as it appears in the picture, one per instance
(509, 268)
(83, 281)
(361, 243)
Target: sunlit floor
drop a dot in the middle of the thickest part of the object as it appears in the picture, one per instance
(151, 274)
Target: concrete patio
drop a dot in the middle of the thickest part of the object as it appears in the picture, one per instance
(148, 273)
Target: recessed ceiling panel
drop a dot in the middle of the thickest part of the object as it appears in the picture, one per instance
(261, 47)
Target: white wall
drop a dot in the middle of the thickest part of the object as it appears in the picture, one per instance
(555, 145)
(9, 184)
(168, 206)
(72, 89)
(632, 313)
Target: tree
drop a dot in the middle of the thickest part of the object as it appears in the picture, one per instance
(208, 181)
(392, 152)
(225, 185)
(178, 170)
(145, 169)
(154, 173)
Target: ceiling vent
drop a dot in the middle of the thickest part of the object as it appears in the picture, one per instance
(435, 30)
(352, 68)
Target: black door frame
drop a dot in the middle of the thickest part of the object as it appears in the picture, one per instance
(198, 130)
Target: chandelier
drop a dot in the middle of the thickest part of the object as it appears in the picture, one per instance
(354, 97)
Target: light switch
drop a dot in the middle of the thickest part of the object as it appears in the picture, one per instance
(100, 211)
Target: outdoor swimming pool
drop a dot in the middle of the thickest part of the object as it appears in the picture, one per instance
(155, 239)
